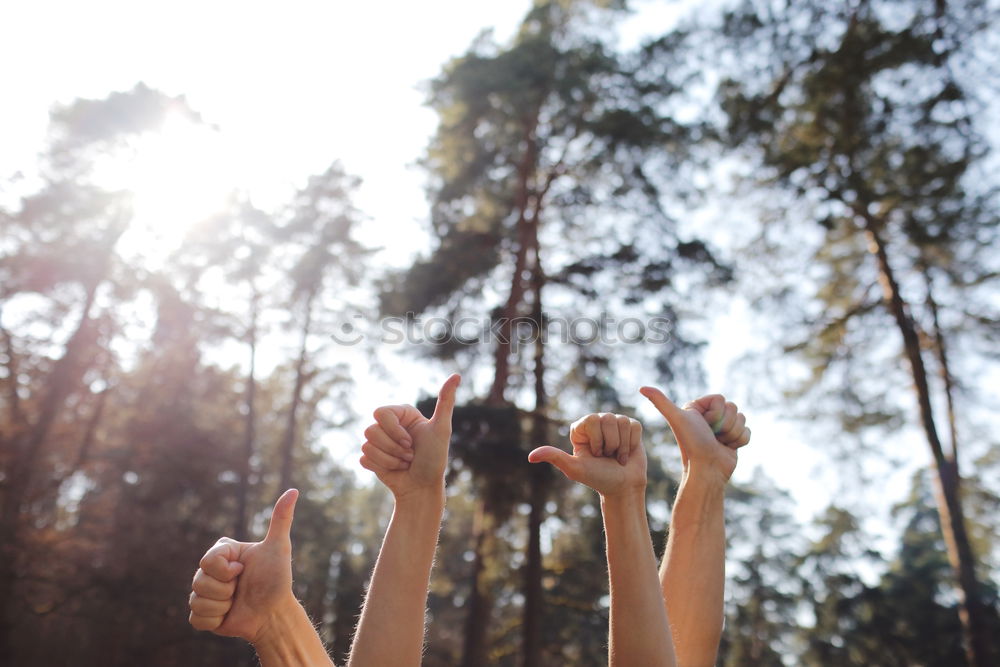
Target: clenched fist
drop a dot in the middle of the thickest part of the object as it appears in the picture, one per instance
(708, 430)
(240, 587)
(607, 454)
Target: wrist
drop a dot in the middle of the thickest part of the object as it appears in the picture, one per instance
(432, 496)
(289, 638)
(274, 628)
(626, 498)
(707, 475)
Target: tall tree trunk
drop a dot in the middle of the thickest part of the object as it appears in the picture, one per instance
(480, 603)
(539, 476)
(348, 596)
(291, 426)
(27, 451)
(315, 601)
(480, 606)
(525, 173)
(944, 369)
(249, 426)
(960, 554)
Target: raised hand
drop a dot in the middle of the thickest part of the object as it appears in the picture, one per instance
(407, 451)
(607, 454)
(708, 430)
(240, 587)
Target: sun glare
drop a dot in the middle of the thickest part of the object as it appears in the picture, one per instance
(177, 176)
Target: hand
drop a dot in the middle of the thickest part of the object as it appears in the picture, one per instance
(240, 586)
(407, 451)
(709, 430)
(607, 454)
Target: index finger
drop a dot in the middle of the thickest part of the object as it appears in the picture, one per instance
(220, 562)
(388, 417)
(712, 408)
(586, 431)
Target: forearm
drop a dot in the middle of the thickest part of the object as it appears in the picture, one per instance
(391, 629)
(639, 631)
(693, 571)
(290, 640)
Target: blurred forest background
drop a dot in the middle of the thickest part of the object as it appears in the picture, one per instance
(840, 157)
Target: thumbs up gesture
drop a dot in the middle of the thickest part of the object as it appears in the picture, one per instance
(241, 586)
(708, 430)
(607, 454)
(407, 451)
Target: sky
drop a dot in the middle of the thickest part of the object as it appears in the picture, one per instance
(295, 85)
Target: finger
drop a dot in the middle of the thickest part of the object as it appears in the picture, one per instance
(388, 417)
(609, 429)
(635, 437)
(282, 516)
(624, 438)
(568, 464)
(383, 460)
(446, 402)
(728, 420)
(734, 432)
(586, 432)
(673, 414)
(712, 407)
(367, 463)
(213, 589)
(205, 607)
(742, 440)
(377, 436)
(207, 623)
(220, 562)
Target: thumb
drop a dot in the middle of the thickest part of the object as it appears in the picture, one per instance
(282, 515)
(568, 464)
(673, 414)
(446, 400)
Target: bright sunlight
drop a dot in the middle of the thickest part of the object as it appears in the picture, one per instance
(177, 176)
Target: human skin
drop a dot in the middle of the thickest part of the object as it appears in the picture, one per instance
(709, 431)
(244, 589)
(409, 454)
(608, 457)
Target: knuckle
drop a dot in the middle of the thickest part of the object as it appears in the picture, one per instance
(370, 430)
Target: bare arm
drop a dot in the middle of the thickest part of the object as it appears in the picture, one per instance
(609, 458)
(692, 575)
(693, 571)
(639, 633)
(409, 454)
(391, 629)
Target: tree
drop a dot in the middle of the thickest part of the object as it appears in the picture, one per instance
(545, 139)
(323, 262)
(858, 112)
(128, 446)
(61, 245)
